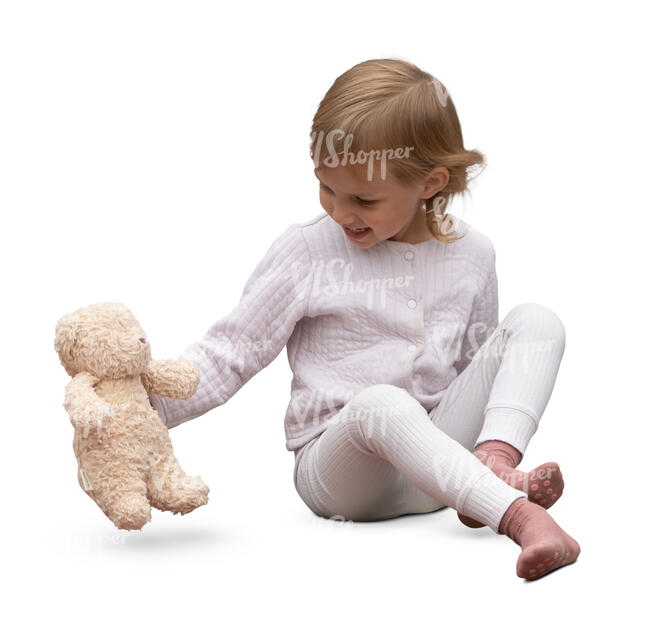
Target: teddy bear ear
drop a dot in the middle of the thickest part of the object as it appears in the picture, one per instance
(65, 341)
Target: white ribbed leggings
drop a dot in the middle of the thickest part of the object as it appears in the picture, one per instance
(383, 455)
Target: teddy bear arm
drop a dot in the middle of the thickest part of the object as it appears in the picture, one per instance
(82, 403)
(176, 379)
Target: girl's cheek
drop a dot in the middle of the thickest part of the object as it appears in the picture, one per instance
(325, 203)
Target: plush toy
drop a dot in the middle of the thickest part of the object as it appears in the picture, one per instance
(126, 461)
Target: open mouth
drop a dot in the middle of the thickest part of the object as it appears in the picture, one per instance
(357, 233)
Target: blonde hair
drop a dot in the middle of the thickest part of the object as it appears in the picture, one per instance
(392, 103)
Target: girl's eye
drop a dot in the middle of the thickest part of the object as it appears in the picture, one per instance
(366, 202)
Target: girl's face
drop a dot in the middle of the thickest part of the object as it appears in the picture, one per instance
(388, 209)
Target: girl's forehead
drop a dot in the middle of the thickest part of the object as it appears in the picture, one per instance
(354, 177)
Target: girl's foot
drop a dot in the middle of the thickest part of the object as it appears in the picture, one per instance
(545, 546)
(544, 484)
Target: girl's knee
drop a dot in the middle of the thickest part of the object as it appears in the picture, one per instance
(384, 398)
(380, 409)
(538, 314)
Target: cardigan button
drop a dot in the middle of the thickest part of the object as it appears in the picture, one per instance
(412, 303)
(409, 255)
(412, 348)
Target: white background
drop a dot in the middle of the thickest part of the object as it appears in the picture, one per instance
(151, 151)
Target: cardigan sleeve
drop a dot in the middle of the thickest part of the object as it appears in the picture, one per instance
(484, 317)
(246, 340)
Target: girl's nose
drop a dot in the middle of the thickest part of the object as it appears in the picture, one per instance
(340, 215)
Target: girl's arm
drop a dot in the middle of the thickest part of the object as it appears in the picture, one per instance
(485, 313)
(236, 347)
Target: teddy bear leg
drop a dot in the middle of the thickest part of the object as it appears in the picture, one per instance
(171, 489)
(124, 501)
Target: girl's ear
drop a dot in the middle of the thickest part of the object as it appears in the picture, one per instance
(65, 341)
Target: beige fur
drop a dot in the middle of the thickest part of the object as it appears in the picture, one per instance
(126, 461)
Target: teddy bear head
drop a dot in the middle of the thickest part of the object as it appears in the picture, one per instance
(103, 339)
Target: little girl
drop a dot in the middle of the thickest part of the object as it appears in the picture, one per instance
(408, 395)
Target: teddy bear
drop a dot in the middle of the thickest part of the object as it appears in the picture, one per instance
(125, 456)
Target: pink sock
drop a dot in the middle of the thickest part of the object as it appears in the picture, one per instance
(544, 484)
(545, 546)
